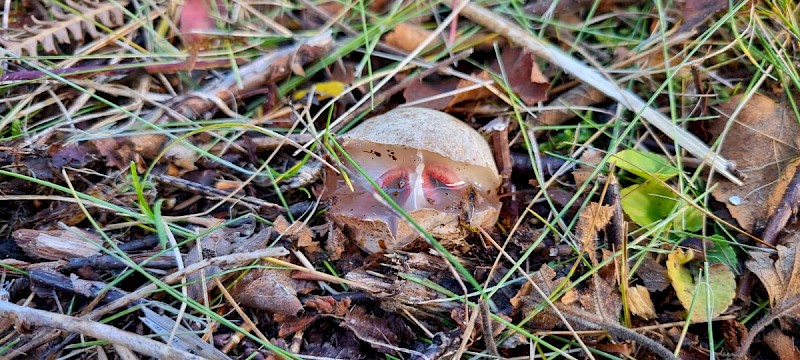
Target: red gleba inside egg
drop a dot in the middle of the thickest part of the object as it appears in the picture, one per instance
(435, 167)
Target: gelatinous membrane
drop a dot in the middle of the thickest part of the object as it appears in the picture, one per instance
(396, 184)
(414, 179)
(442, 186)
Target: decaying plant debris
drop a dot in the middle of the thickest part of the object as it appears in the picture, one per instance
(204, 179)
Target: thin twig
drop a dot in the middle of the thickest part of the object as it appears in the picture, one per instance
(138, 343)
(588, 319)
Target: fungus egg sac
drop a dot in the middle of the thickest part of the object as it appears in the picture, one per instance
(434, 166)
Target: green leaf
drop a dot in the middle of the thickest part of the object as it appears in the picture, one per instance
(705, 298)
(644, 164)
(651, 201)
(722, 252)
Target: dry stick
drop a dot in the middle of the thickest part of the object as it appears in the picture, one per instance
(43, 337)
(94, 329)
(210, 191)
(266, 69)
(590, 76)
(588, 319)
(178, 275)
(170, 279)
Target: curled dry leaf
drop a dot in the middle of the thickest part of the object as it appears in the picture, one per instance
(527, 300)
(182, 156)
(780, 277)
(592, 219)
(406, 36)
(589, 161)
(522, 73)
(782, 345)
(708, 297)
(269, 290)
(696, 12)
(762, 140)
(640, 303)
(303, 236)
(653, 274)
(599, 299)
(377, 331)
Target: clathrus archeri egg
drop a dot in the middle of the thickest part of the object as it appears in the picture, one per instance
(434, 166)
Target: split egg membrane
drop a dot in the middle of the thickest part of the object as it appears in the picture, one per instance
(434, 166)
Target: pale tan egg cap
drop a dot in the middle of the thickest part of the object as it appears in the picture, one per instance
(426, 129)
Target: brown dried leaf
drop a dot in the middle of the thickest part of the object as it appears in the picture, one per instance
(592, 219)
(120, 152)
(624, 349)
(523, 75)
(270, 290)
(406, 37)
(216, 243)
(599, 298)
(602, 299)
(589, 160)
(696, 12)
(294, 324)
(58, 244)
(429, 89)
(780, 277)
(67, 24)
(653, 275)
(299, 231)
(782, 345)
(377, 331)
(762, 141)
(640, 303)
(733, 332)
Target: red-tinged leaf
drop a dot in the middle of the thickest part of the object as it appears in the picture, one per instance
(523, 76)
(428, 90)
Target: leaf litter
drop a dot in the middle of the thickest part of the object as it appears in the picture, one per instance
(205, 143)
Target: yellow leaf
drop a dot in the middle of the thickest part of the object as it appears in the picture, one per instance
(711, 296)
(323, 90)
